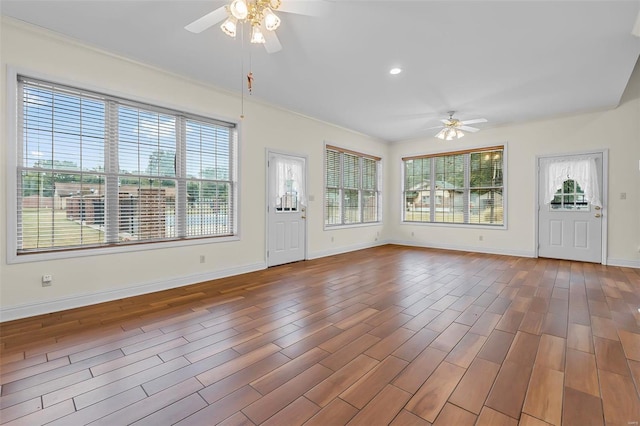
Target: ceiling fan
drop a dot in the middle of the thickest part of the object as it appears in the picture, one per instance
(453, 128)
(257, 13)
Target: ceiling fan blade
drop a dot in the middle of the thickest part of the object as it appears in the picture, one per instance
(435, 127)
(272, 42)
(474, 121)
(207, 21)
(468, 129)
(305, 7)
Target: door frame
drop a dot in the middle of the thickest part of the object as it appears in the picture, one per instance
(604, 192)
(268, 152)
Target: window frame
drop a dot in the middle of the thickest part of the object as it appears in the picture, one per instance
(13, 163)
(467, 188)
(377, 190)
(582, 206)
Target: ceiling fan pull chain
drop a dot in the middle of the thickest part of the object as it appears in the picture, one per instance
(242, 72)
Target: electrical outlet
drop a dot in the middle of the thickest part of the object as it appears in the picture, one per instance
(202, 258)
(480, 238)
(47, 280)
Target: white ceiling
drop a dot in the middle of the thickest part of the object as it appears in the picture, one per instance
(507, 61)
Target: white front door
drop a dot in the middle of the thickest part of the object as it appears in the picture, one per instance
(286, 208)
(570, 227)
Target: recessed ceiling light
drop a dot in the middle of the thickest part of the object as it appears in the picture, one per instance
(395, 71)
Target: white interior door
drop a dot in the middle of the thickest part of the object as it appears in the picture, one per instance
(286, 208)
(570, 226)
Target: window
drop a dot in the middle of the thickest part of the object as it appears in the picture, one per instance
(457, 187)
(95, 170)
(352, 193)
(569, 197)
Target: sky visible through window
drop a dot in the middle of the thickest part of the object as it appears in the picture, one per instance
(65, 131)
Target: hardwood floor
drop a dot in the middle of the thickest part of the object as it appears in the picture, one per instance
(390, 335)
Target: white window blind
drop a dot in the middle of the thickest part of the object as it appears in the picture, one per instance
(209, 170)
(97, 170)
(369, 190)
(352, 190)
(333, 177)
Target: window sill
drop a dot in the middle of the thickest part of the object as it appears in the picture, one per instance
(502, 227)
(351, 225)
(14, 258)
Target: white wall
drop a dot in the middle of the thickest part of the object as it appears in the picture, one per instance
(90, 279)
(617, 130)
(84, 280)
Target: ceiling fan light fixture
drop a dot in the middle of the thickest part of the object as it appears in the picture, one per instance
(239, 9)
(256, 35)
(230, 26)
(271, 20)
(449, 134)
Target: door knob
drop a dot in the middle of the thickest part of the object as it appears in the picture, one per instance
(598, 215)
(303, 217)
(598, 207)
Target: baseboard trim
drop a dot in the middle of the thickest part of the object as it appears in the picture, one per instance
(86, 299)
(345, 249)
(487, 250)
(623, 263)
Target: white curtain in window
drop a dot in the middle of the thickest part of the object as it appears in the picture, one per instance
(287, 181)
(581, 169)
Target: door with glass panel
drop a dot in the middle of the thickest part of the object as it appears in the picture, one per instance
(570, 207)
(286, 208)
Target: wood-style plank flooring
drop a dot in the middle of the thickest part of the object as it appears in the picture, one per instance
(389, 335)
